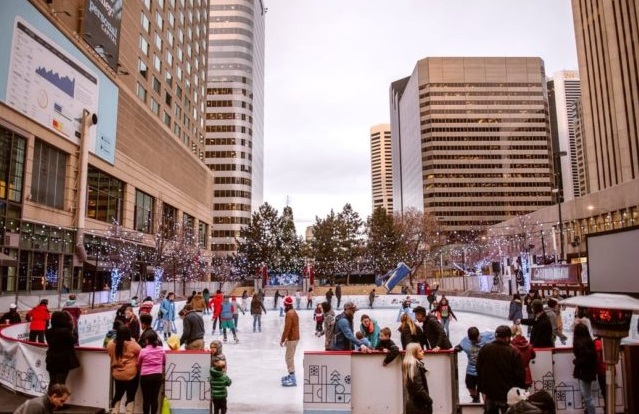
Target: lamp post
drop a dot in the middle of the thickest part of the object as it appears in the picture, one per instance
(559, 184)
(610, 316)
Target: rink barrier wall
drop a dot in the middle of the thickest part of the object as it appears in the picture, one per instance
(22, 368)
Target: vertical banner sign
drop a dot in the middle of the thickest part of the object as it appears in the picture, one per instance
(101, 28)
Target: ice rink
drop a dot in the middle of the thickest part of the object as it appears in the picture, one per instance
(256, 363)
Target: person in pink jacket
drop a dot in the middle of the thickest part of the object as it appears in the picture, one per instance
(151, 366)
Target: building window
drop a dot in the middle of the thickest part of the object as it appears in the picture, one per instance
(188, 221)
(156, 84)
(143, 212)
(202, 231)
(169, 217)
(12, 158)
(143, 68)
(144, 46)
(141, 92)
(146, 23)
(104, 196)
(155, 107)
(49, 170)
(167, 119)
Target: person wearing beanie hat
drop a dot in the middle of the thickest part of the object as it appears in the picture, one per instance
(12, 317)
(499, 369)
(290, 338)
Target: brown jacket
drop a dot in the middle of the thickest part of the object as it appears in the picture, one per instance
(125, 367)
(291, 326)
(198, 302)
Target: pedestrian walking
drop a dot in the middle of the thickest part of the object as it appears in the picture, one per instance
(61, 357)
(414, 376)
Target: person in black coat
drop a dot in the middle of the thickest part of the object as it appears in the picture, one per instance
(583, 347)
(12, 316)
(434, 336)
(338, 295)
(499, 369)
(61, 357)
(541, 333)
(414, 375)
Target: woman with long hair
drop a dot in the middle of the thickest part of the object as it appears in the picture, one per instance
(409, 332)
(124, 358)
(414, 375)
(61, 357)
(583, 347)
(151, 365)
(445, 312)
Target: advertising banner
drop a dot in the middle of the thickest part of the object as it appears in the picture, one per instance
(101, 28)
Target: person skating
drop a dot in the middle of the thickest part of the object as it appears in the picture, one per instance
(338, 295)
(541, 332)
(192, 329)
(257, 306)
(434, 337)
(471, 345)
(226, 319)
(290, 338)
(167, 309)
(39, 317)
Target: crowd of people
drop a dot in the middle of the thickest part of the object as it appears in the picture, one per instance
(498, 361)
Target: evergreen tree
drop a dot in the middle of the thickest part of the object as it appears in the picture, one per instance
(349, 232)
(382, 248)
(324, 246)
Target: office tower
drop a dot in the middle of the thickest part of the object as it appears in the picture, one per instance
(235, 115)
(608, 51)
(580, 179)
(381, 167)
(471, 140)
(102, 113)
(563, 92)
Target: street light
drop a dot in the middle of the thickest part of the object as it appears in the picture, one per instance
(559, 184)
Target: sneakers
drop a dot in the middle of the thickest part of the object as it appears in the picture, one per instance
(289, 381)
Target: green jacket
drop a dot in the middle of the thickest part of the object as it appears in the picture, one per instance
(219, 382)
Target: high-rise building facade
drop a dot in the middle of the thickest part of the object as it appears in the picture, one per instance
(235, 115)
(381, 167)
(471, 140)
(563, 92)
(101, 119)
(608, 51)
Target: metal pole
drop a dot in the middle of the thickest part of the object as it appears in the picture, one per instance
(561, 230)
(610, 388)
(95, 277)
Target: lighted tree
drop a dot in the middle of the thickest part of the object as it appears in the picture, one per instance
(184, 257)
(121, 255)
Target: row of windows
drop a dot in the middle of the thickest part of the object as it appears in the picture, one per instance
(228, 103)
(231, 7)
(470, 138)
(497, 203)
(229, 78)
(232, 193)
(484, 194)
(228, 115)
(231, 207)
(228, 141)
(480, 85)
(219, 43)
(506, 175)
(232, 220)
(484, 111)
(214, 67)
(485, 93)
(223, 247)
(475, 157)
(429, 121)
(487, 148)
(216, 19)
(231, 30)
(486, 212)
(484, 129)
(510, 166)
(501, 184)
(481, 102)
(231, 167)
(228, 128)
(227, 154)
(226, 233)
(233, 180)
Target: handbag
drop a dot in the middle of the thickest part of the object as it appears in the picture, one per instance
(166, 407)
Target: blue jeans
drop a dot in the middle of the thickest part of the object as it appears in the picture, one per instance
(257, 322)
(586, 395)
(445, 322)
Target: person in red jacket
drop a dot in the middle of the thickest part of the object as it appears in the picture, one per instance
(216, 305)
(526, 352)
(39, 317)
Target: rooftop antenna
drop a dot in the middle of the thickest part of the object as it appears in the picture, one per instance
(288, 201)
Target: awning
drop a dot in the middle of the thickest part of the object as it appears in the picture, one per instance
(7, 261)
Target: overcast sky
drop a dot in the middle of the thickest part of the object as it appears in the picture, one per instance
(329, 65)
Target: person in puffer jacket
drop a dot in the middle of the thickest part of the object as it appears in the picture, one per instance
(219, 382)
(39, 317)
(226, 319)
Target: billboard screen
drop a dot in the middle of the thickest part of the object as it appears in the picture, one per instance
(101, 28)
